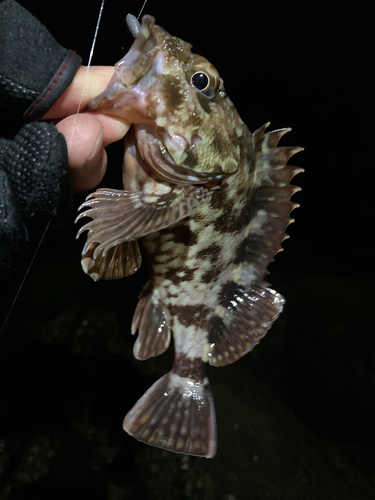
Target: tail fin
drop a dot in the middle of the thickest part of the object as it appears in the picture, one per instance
(176, 414)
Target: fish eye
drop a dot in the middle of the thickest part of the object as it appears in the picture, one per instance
(204, 78)
(200, 80)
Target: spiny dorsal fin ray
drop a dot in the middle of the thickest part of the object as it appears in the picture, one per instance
(264, 141)
(278, 156)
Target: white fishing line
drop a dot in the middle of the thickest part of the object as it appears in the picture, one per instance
(89, 62)
(25, 276)
(143, 6)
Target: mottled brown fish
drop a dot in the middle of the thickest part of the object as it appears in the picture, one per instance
(210, 202)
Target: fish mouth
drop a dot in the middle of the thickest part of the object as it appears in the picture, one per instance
(123, 97)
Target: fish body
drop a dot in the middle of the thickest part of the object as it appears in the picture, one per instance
(210, 202)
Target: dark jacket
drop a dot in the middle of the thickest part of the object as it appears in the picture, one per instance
(34, 71)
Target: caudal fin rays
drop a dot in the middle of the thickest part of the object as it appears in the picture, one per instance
(176, 414)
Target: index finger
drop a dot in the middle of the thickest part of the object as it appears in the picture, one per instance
(91, 81)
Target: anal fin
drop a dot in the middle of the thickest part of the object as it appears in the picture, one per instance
(249, 313)
(176, 414)
(152, 322)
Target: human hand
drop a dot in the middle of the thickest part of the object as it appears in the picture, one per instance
(88, 133)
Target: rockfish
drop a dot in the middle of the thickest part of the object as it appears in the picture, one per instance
(210, 202)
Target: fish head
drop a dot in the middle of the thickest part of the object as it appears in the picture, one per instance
(186, 128)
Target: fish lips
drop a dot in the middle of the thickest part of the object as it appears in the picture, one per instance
(137, 60)
(118, 100)
(123, 96)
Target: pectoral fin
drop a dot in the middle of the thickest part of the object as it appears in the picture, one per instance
(121, 216)
(120, 261)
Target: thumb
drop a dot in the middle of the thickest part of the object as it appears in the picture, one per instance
(87, 158)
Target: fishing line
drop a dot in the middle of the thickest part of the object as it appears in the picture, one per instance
(143, 6)
(25, 275)
(89, 62)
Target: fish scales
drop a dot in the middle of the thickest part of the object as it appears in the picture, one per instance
(210, 202)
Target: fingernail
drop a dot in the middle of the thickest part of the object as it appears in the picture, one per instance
(94, 158)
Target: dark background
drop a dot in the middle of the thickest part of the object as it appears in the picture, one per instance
(295, 416)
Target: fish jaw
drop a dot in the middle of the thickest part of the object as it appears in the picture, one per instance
(131, 91)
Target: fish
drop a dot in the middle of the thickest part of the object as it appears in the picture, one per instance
(210, 202)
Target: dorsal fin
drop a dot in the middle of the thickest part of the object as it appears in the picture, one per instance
(271, 204)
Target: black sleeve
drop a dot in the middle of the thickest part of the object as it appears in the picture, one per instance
(34, 71)
(34, 68)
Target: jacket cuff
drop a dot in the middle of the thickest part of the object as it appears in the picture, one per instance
(34, 68)
(58, 84)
